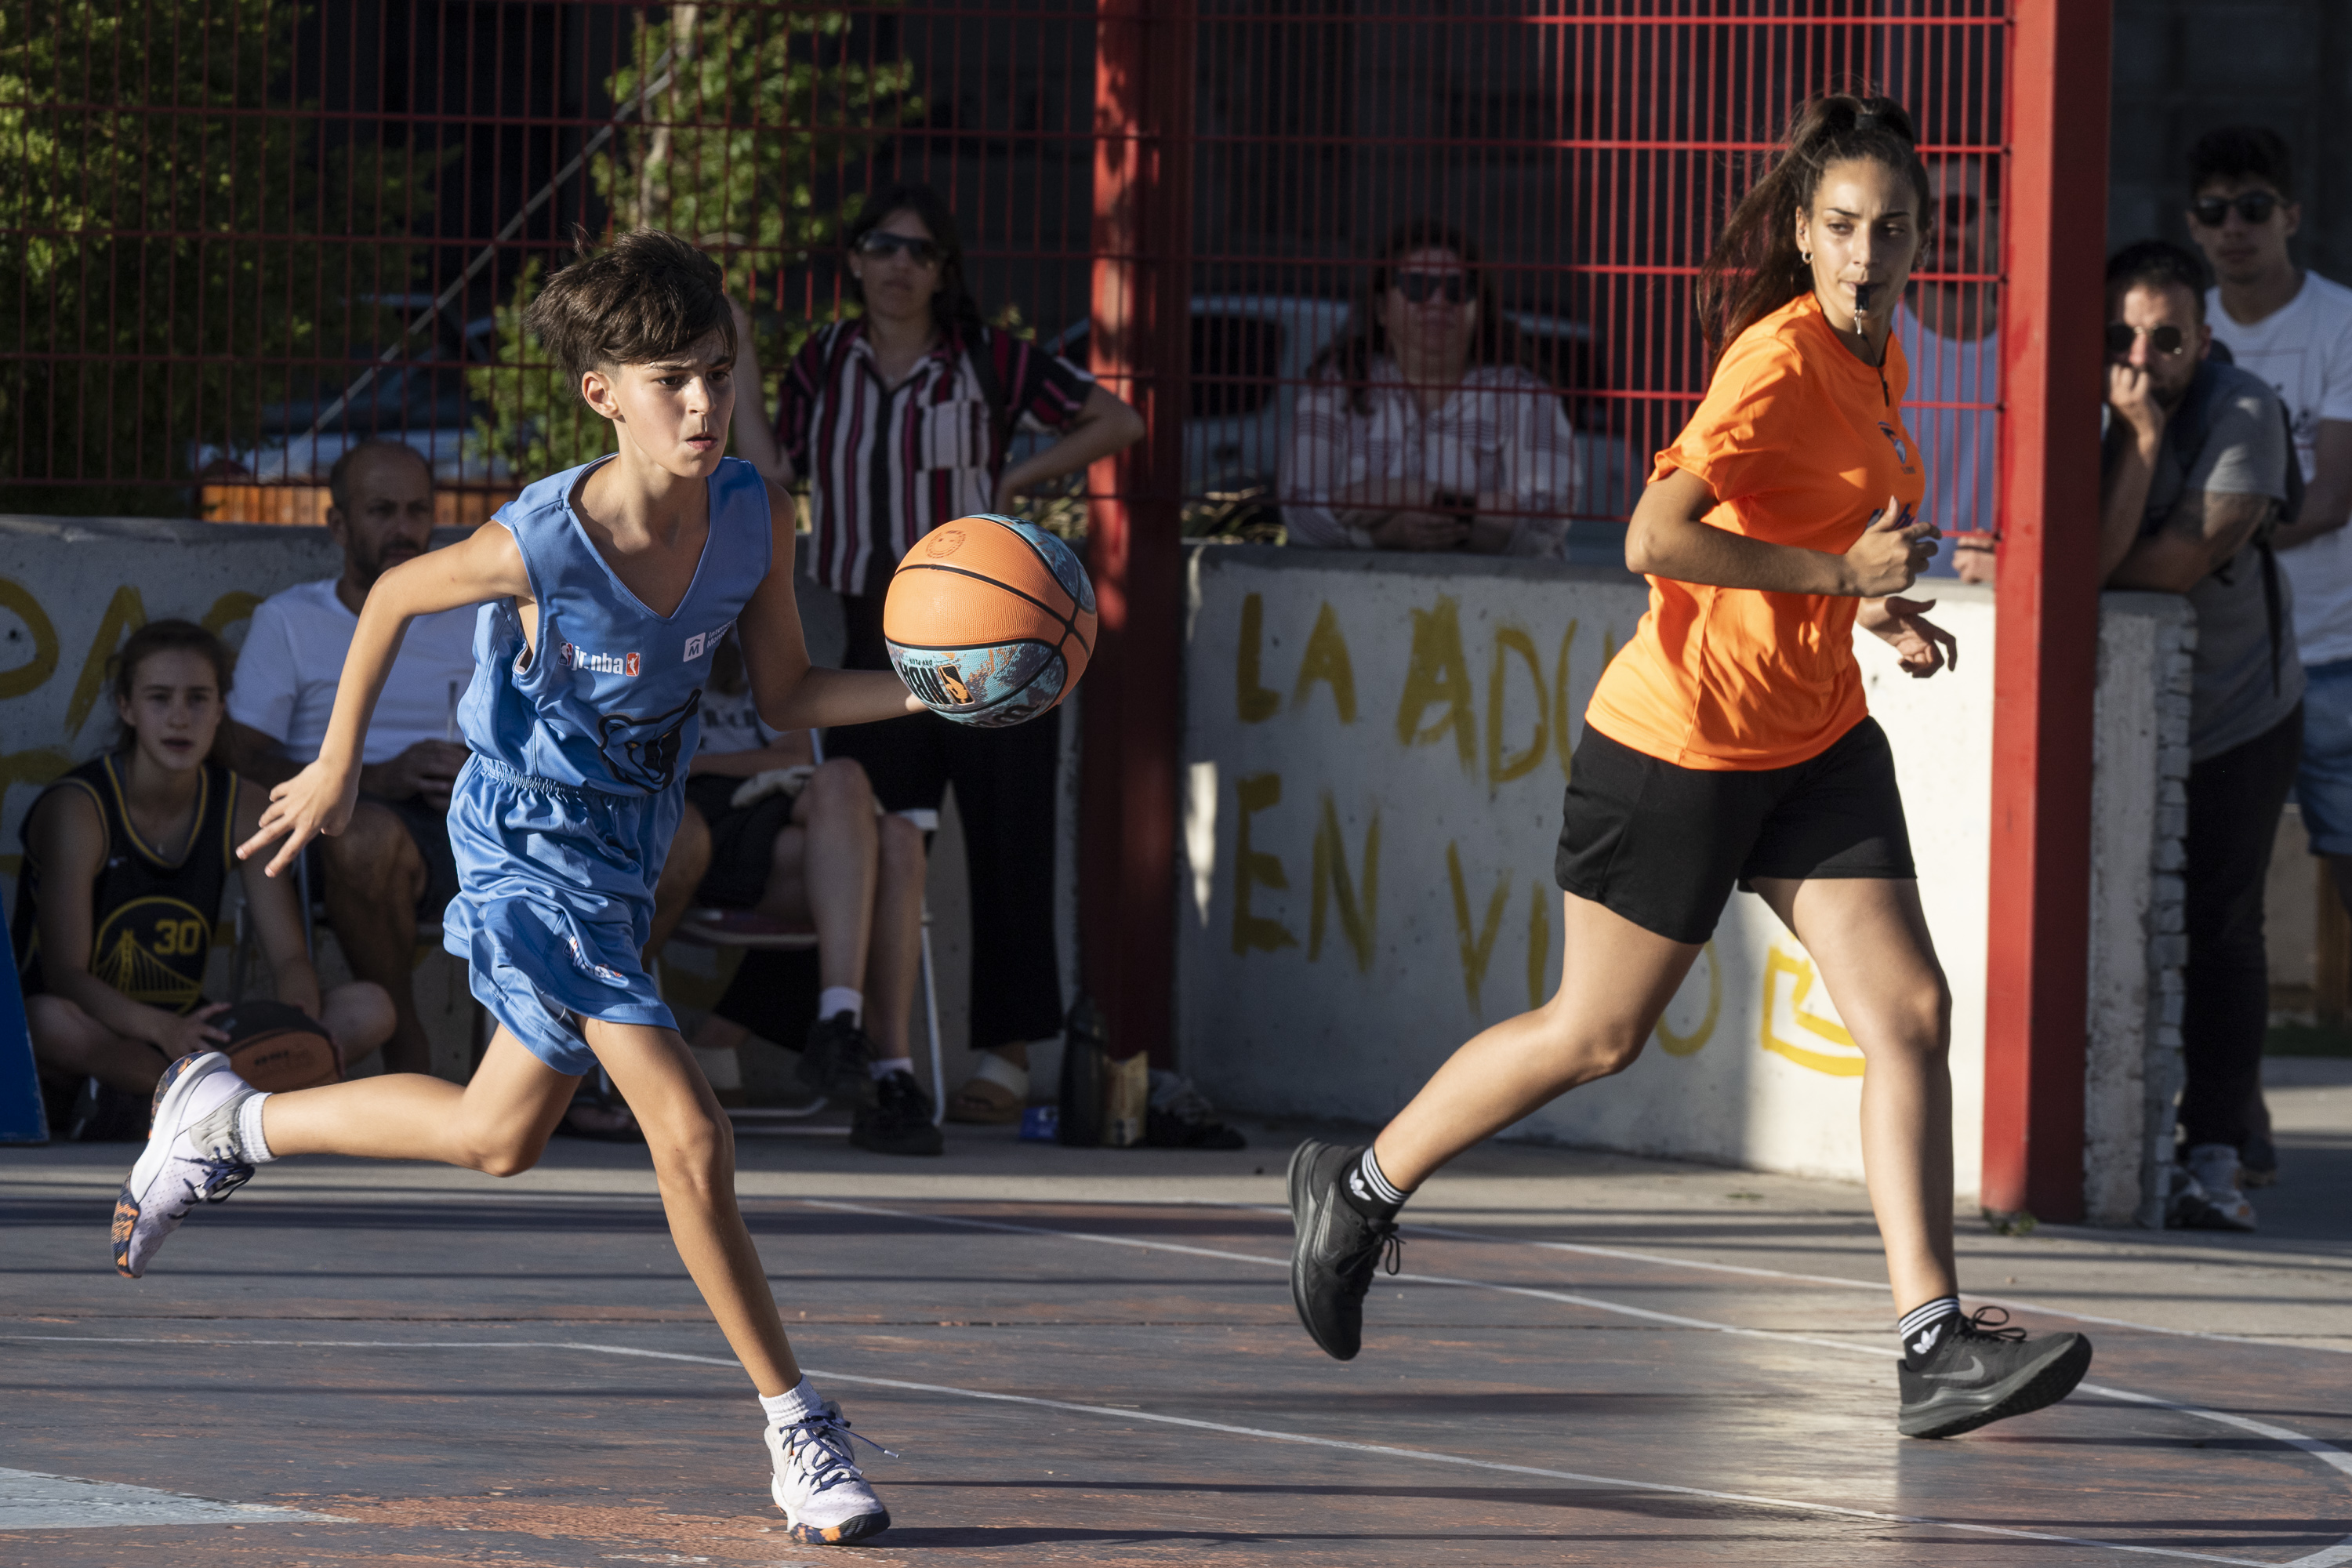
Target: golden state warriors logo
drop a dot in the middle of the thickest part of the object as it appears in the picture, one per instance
(154, 950)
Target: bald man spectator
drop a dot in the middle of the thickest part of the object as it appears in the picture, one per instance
(392, 866)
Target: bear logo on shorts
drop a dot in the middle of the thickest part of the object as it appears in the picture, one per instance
(646, 752)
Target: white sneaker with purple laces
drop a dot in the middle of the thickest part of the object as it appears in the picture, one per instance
(177, 1171)
(824, 1496)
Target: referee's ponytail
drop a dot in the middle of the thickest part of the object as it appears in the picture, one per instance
(1755, 268)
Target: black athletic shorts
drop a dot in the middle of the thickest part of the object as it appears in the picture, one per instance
(742, 839)
(1664, 846)
(427, 826)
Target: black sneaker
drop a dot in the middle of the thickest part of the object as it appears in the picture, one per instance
(837, 1062)
(1334, 1249)
(1986, 1372)
(900, 1121)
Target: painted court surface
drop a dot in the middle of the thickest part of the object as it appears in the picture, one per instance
(1090, 1357)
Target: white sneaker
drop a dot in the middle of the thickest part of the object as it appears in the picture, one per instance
(177, 1172)
(2214, 1168)
(824, 1496)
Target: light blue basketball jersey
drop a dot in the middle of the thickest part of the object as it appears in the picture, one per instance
(610, 700)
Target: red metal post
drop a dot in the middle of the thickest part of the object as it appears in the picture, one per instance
(1141, 348)
(2038, 953)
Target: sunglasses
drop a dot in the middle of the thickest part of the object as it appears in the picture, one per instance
(2164, 340)
(1419, 287)
(2254, 206)
(881, 242)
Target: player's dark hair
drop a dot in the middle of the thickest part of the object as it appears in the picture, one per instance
(2233, 152)
(953, 307)
(1755, 268)
(1348, 359)
(2158, 264)
(167, 636)
(338, 477)
(644, 296)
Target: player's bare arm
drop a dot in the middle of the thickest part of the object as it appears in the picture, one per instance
(792, 693)
(319, 799)
(1669, 536)
(2196, 539)
(67, 837)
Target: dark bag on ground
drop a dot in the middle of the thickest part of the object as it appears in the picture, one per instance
(275, 1047)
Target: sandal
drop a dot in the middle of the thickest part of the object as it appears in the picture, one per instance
(995, 1096)
(599, 1116)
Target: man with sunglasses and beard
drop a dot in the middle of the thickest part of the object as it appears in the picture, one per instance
(2192, 480)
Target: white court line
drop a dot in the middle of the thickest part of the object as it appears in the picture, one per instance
(30, 1500)
(2326, 1453)
(1426, 1455)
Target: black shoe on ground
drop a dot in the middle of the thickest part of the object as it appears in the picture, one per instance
(900, 1121)
(1334, 1249)
(1985, 1372)
(837, 1062)
(2258, 1161)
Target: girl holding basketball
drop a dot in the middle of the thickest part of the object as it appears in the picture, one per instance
(1730, 745)
(605, 593)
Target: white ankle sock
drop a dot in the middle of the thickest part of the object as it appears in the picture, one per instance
(884, 1069)
(249, 1140)
(835, 1000)
(797, 1403)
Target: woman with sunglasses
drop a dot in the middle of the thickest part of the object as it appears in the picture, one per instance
(1422, 428)
(1729, 744)
(899, 419)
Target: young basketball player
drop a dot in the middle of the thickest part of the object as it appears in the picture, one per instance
(605, 591)
(1729, 744)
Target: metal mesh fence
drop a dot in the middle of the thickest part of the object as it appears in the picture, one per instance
(237, 235)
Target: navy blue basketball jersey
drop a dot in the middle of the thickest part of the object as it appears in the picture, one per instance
(610, 698)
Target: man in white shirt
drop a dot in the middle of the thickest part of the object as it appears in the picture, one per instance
(392, 866)
(2293, 329)
(1950, 334)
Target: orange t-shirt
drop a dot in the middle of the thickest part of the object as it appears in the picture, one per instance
(1800, 442)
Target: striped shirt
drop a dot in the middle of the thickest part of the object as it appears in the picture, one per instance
(887, 465)
(1501, 434)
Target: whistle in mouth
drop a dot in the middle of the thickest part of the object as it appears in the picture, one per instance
(1862, 299)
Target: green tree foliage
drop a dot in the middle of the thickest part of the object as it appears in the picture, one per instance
(176, 250)
(720, 102)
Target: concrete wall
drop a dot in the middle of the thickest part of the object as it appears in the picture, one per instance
(1375, 748)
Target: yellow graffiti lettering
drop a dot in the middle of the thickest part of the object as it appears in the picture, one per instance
(1475, 950)
(1438, 676)
(125, 613)
(1326, 661)
(1798, 968)
(1256, 702)
(1539, 943)
(1255, 869)
(1358, 921)
(1561, 745)
(231, 608)
(1502, 769)
(29, 676)
(1688, 1044)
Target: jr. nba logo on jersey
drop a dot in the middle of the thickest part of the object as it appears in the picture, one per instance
(577, 658)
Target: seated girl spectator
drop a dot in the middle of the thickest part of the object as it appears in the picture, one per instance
(126, 858)
(768, 828)
(1422, 428)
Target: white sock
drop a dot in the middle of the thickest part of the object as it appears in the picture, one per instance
(797, 1403)
(883, 1070)
(835, 1000)
(249, 1140)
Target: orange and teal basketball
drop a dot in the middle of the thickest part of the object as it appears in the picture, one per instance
(990, 620)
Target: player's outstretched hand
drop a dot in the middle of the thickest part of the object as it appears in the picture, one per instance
(1920, 646)
(1890, 552)
(310, 803)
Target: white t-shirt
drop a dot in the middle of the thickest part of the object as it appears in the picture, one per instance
(2304, 349)
(293, 659)
(731, 722)
(1955, 444)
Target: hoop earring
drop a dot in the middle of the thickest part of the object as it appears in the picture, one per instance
(1806, 257)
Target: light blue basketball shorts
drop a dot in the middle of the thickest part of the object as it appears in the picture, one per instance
(2324, 783)
(555, 900)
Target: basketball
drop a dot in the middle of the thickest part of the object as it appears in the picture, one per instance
(990, 620)
(274, 1046)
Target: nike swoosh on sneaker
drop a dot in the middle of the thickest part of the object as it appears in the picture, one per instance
(1974, 1370)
